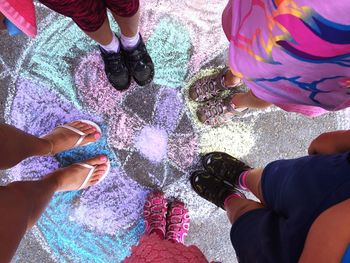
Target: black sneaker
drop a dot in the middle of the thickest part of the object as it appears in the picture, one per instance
(116, 70)
(211, 188)
(139, 63)
(225, 167)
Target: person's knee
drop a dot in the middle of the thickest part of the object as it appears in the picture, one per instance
(233, 213)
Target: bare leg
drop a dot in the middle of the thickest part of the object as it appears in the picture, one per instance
(128, 25)
(103, 35)
(253, 181)
(244, 100)
(17, 145)
(249, 100)
(22, 203)
(236, 207)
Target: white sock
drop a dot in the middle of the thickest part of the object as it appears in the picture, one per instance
(130, 42)
(114, 46)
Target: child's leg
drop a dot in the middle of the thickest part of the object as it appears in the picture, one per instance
(22, 203)
(216, 112)
(234, 172)
(244, 100)
(249, 100)
(129, 26)
(252, 181)
(103, 35)
(89, 15)
(137, 59)
(236, 207)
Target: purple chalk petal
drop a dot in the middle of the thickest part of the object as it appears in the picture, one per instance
(33, 168)
(38, 109)
(168, 109)
(114, 204)
(93, 87)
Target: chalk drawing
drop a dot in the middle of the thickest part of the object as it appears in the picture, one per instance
(150, 133)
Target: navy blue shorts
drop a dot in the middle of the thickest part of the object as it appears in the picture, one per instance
(296, 192)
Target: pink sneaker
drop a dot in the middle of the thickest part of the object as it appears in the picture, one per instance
(154, 212)
(178, 222)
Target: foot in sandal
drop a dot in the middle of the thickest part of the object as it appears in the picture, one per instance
(81, 175)
(73, 134)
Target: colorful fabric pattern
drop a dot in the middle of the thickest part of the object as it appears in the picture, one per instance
(292, 53)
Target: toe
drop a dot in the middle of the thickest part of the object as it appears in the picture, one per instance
(97, 176)
(88, 129)
(101, 168)
(100, 159)
(193, 94)
(74, 123)
(201, 115)
(92, 137)
(91, 183)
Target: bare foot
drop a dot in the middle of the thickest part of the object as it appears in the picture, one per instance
(63, 139)
(72, 177)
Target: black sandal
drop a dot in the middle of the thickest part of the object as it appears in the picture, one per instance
(225, 167)
(211, 188)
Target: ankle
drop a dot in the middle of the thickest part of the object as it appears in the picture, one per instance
(52, 181)
(129, 43)
(235, 196)
(113, 46)
(237, 100)
(230, 80)
(45, 147)
(242, 180)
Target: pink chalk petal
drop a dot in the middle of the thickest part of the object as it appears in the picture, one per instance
(93, 86)
(123, 127)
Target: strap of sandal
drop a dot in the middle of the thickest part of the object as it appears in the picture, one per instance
(82, 134)
(50, 153)
(89, 175)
